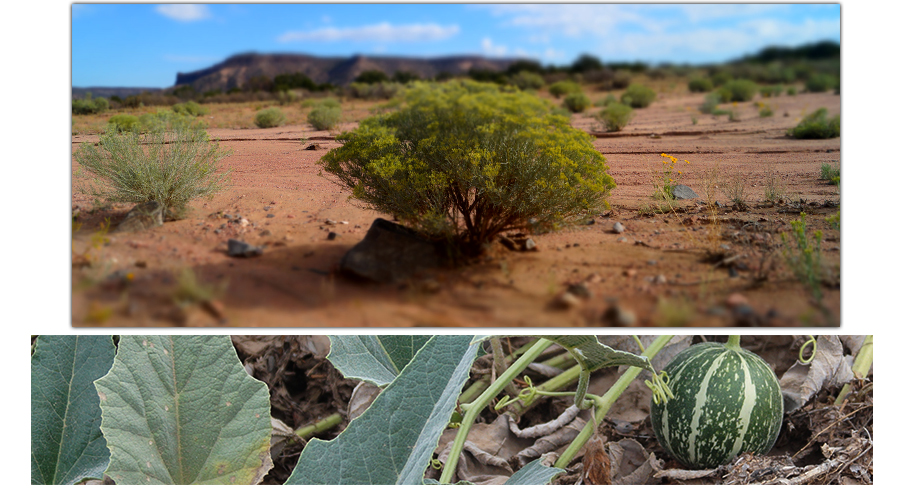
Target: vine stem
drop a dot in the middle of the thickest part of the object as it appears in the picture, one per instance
(734, 342)
(607, 401)
(473, 409)
(319, 426)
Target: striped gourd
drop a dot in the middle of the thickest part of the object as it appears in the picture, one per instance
(727, 402)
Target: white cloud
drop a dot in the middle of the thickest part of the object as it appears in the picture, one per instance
(489, 49)
(184, 12)
(384, 32)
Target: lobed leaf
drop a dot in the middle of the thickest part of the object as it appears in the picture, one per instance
(394, 440)
(593, 355)
(182, 410)
(67, 446)
(373, 359)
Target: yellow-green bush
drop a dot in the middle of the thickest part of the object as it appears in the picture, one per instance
(125, 122)
(817, 126)
(324, 117)
(465, 161)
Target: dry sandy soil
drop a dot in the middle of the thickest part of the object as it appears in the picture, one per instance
(666, 269)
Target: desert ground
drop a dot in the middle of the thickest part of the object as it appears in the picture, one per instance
(695, 265)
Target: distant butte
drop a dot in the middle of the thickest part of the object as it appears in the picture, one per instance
(238, 69)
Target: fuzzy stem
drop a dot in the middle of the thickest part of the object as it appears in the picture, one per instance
(607, 401)
(474, 409)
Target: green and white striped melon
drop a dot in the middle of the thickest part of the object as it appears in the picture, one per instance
(727, 402)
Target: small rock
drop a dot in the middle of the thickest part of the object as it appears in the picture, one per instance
(659, 279)
(344, 222)
(622, 239)
(332, 235)
(652, 262)
(736, 299)
(580, 290)
(529, 245)
(618, 228)
(227, 216)
(313, 146)
(140, 264)
(244, 222)
(593, 278)
(265, 233)
(725, 246)
(680, 191)
(616, 316)
(237, 248)
(290, 216)
(719, 204)
(270, 216)
(631, 273)
(329, 221)
(566, 300)
(267, 208)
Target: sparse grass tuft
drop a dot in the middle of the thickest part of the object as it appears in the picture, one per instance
(577, 102)
(324, 117)
(803, 256)
(637, 95)
(830, 174)
(171, 167)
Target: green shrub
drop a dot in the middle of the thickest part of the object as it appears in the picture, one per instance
(190, 108)
(700, 85)
(742, 90)
(792, 91)
(765, 112)
(324, 117)
(564, 87)
(830, 174)
(466, 161)
(269, 118)
(171, 167)
(638, 95)
(373, 91)
(615, 116)
(525, 80)
(724, 94)
(609, 99)
(721, 78)
(328, 102)
(125, 122)
(89, 105)
(817, 126)
(821, 82)
(577, 102)
(372, 77)
(169, 120)
(710, 103)
(771, 90)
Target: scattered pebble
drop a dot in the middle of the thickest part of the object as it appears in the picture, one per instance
(622, 239)
(529, 245)
(237, 248)
(566, 300)
(616, 316)
(618, 228)
(332, 235)
(580, 290)
(736, 299)
(630, 273)
(270, 216)
(329, 221)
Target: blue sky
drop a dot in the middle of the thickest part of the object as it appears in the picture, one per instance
(147, 44)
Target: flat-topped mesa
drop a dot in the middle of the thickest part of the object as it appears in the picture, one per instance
(237, 70)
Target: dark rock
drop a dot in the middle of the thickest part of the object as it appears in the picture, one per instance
(332, 235)
(143, 217)
(237, 248)
(314, 146)
(389, 253)
(616, 316)
(680, 191)
(508, 243)
(580, 290)
(270, 216)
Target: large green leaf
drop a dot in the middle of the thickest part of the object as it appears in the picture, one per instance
(182, 410)
(374, 359)
(533, 473)
(593, 355)
(393, 441)
(66, 444)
